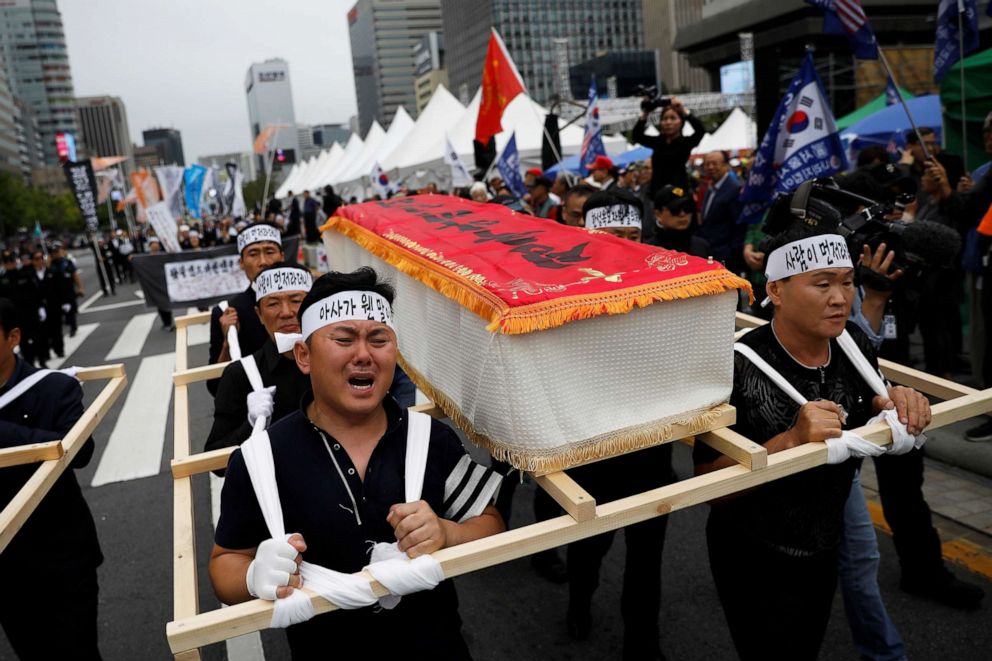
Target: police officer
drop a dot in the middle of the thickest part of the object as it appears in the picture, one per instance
(49, 567)
(68, 284)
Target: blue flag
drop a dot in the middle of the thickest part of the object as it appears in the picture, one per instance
(891, 93)
(592, 141)
(947, 49)
(193, 178)
(509, 167)
(801, 143)
(847, 17)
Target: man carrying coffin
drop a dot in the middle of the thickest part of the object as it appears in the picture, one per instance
(49, 609)
(279, 290)
(343, 465)
(259, 246)
(809, 376)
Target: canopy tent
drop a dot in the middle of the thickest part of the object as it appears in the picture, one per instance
(870, 108)
(737, 133)
(354, 182)
(978, 104)
(296, 174)
(879, 128)
(425, 141)
(327, 159)
(330, 173)
(373, 139)
(571, 163)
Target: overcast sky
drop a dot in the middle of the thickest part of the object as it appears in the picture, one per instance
(182, 63)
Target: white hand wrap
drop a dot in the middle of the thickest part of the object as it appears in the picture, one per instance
(850, 445)
(66, 307)
(42, 315)
(260, 404)
(275, 561)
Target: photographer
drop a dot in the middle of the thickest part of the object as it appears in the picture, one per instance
(671, 149)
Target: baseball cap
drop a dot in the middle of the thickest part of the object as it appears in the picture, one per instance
(674, 198)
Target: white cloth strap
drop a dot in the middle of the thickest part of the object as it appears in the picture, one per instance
(848, 444)
(233, 345)
(251, 371)
(286, 341)
(29, 382)
(390, 566)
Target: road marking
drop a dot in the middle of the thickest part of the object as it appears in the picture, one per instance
(89, 301)
(247, 647)
(961, 551)
(112, 306)
(73, 343)
(135, 446)
(132, 338)
(197, 333)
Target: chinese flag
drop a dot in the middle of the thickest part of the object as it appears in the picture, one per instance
(501, 83)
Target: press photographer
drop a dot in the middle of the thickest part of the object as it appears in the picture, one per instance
(670, 148)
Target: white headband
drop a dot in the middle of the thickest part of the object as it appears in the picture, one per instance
(346, 306)
(256, 233)
(618, 215)
(276, 281)
(824, 251)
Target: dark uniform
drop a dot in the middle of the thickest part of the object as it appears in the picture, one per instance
(49, 568)
(338, 514)
(15, 286)
(787, 531)
(230, 404)
(45, 294)
(65, 285)
(251, 334)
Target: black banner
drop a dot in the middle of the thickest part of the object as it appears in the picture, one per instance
(83, 184)
(209, 272)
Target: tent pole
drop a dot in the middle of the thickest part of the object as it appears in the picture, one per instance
(964, 116)
(895, 84)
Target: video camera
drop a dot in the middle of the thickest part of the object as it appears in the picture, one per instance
(652, 100)
(822, 204)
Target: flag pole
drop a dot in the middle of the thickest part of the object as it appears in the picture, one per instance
(895, 83)
(964, 117)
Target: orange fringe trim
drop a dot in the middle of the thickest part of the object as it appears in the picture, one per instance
(538, 316)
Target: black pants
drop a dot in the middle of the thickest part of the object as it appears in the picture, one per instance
(784, 613)
(50, 612)
(941, 325)
(53, 329)
(900, 486)
(640, 601)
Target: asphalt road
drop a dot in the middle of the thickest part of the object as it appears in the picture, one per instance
(509, 612)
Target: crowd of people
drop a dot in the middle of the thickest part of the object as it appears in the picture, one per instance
(320, 395)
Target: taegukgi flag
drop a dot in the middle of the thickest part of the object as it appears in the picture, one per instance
(801, 143)
(380, 181)
(592, 140)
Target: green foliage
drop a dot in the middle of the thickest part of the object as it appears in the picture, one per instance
(253, 193)
(22, 205)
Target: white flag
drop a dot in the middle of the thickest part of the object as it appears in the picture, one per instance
(170, 179)
(459, 173)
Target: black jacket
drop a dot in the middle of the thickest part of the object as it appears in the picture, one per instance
(669, 158)
(251, 333)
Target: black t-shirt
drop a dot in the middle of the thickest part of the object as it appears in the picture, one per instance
(339, 514)
(801, 514)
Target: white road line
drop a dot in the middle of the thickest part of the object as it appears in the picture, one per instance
(198, 333)
(249, 646)
(134, 448)
(73, 343)
(112, 306)
(132, 338)
(89, 301)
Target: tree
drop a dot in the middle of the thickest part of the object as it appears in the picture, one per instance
(21, 206)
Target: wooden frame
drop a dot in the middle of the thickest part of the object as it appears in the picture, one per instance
(56, 456)
(191, 630)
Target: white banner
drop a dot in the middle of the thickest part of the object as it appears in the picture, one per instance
(170, 179)
(204, 278)
(165, 226)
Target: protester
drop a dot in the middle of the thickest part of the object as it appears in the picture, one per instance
(673, 209)
(790, 529)
(330, 201)
(540, 198)
(294, 226)
(310, 207)
(670, 149)
(279, 290)
(720, 209)
(615, 212)
(259, 246)
(601, 173)
(348, 438)
(50, 565)
(571, 208)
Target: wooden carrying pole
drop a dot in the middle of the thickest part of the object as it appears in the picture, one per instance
(55, 457)
(189, 630)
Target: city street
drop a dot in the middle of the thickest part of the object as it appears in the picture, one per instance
(508, 611)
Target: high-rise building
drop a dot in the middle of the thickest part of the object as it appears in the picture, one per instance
(145, 156)
(383, 34)
(33, 46)
(270, 102)
(529, 30)
(429, 71)
(168, 143)
(10, 157)
(103, 123)
(662, 22)
(29, 144)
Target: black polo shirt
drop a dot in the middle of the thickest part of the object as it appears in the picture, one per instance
(231, 405)
(339, 515)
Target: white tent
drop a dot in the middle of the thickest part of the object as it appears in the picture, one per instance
(329, 174)
(425, 142)
(306, 181)
(373, 139)
(737, 132)
(355, 182)
(287, 182)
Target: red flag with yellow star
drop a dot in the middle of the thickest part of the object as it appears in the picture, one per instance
(501, 83)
